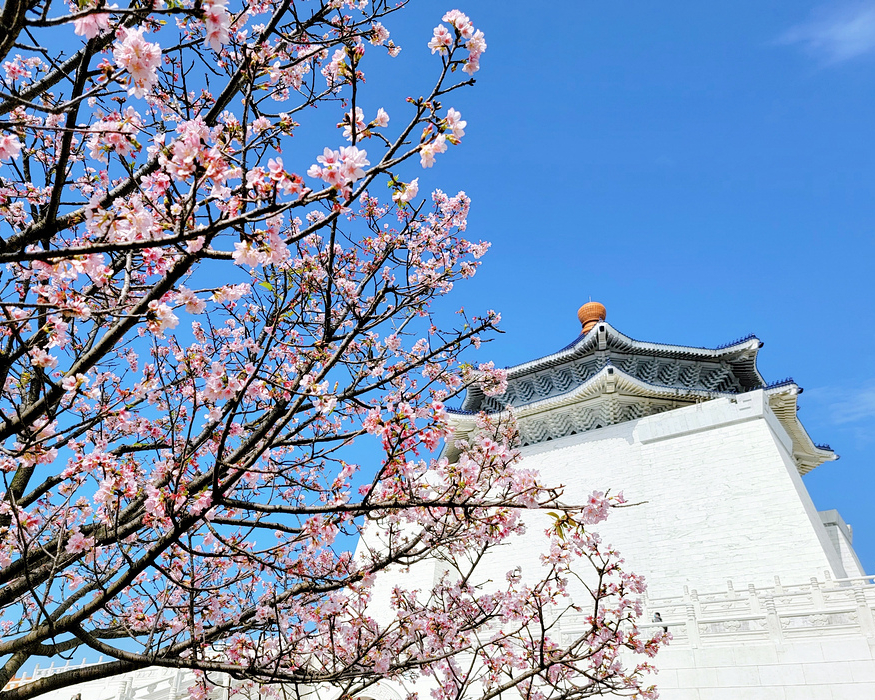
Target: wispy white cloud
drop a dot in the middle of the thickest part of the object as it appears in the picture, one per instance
(836, 32)
(844, 405)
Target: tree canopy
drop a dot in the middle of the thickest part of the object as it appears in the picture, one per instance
(196, 334)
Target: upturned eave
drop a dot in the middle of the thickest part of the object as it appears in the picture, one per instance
(782, 399)
(604, 336)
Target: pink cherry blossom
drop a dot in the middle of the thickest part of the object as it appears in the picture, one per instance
(140, 58)
(492, 379)
(405, 192)
(40, 358)
(17, 69)
(275, 168)
(359, 120)
(10, 146)
(161, 317)
(245, 253)
(78, 543)
(456, 124)
(220, 386)
(91, 25)
(339, 168)
(214, 457)
(193, 304)
(442, 39)
(218, 21)
(335, 67)
(186, 150)
(115, 135)
(461, 22)
(428, 151)
(353, 162)
(231, 292)
(379, 34)
(382, 118)
(476, 45)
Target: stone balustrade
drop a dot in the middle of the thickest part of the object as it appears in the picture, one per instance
(780, 613)
(816, 637)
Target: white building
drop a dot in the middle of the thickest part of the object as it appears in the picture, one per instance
(763, 595)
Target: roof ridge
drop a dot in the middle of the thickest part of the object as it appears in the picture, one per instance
(722, 346)
(739, 341)
(781, 382)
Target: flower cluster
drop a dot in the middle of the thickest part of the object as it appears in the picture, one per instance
(264, 247)
(140, 58)
(91, 24)
(340, 168)
(10, 146)
(464, 33)
(115, 135)
(217, 20)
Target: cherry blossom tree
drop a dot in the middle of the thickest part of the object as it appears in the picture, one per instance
(199, 336)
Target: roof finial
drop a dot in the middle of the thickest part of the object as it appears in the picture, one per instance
(590, 314)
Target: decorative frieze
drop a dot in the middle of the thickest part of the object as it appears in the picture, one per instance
(664, 373)
(598, 413)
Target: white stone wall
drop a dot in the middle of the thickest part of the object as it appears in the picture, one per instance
(813, 640)
(152, 683)
(720, 499)
(841, 536)
(839, 669)
(720, 496)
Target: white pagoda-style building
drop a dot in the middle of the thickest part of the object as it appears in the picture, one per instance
(762, 593)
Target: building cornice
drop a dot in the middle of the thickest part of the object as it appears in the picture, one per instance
(612, 396)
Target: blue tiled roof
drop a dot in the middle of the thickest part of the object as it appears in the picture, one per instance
(780, 382)
(744, 339)
(460, 412)
(749, 336)
(572, 343)
(655, 385)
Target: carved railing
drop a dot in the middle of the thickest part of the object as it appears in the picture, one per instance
(780, 613)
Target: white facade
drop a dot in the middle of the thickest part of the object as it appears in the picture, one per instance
(763, 595)
(154, 683)
(725, 516)
(812, 641)
(720, 496)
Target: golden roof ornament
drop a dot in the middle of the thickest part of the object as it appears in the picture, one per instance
(590, 314)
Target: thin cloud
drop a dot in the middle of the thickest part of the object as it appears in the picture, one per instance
(836, 33)
(843, 406)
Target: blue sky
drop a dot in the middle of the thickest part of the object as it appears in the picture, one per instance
(703, 169)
